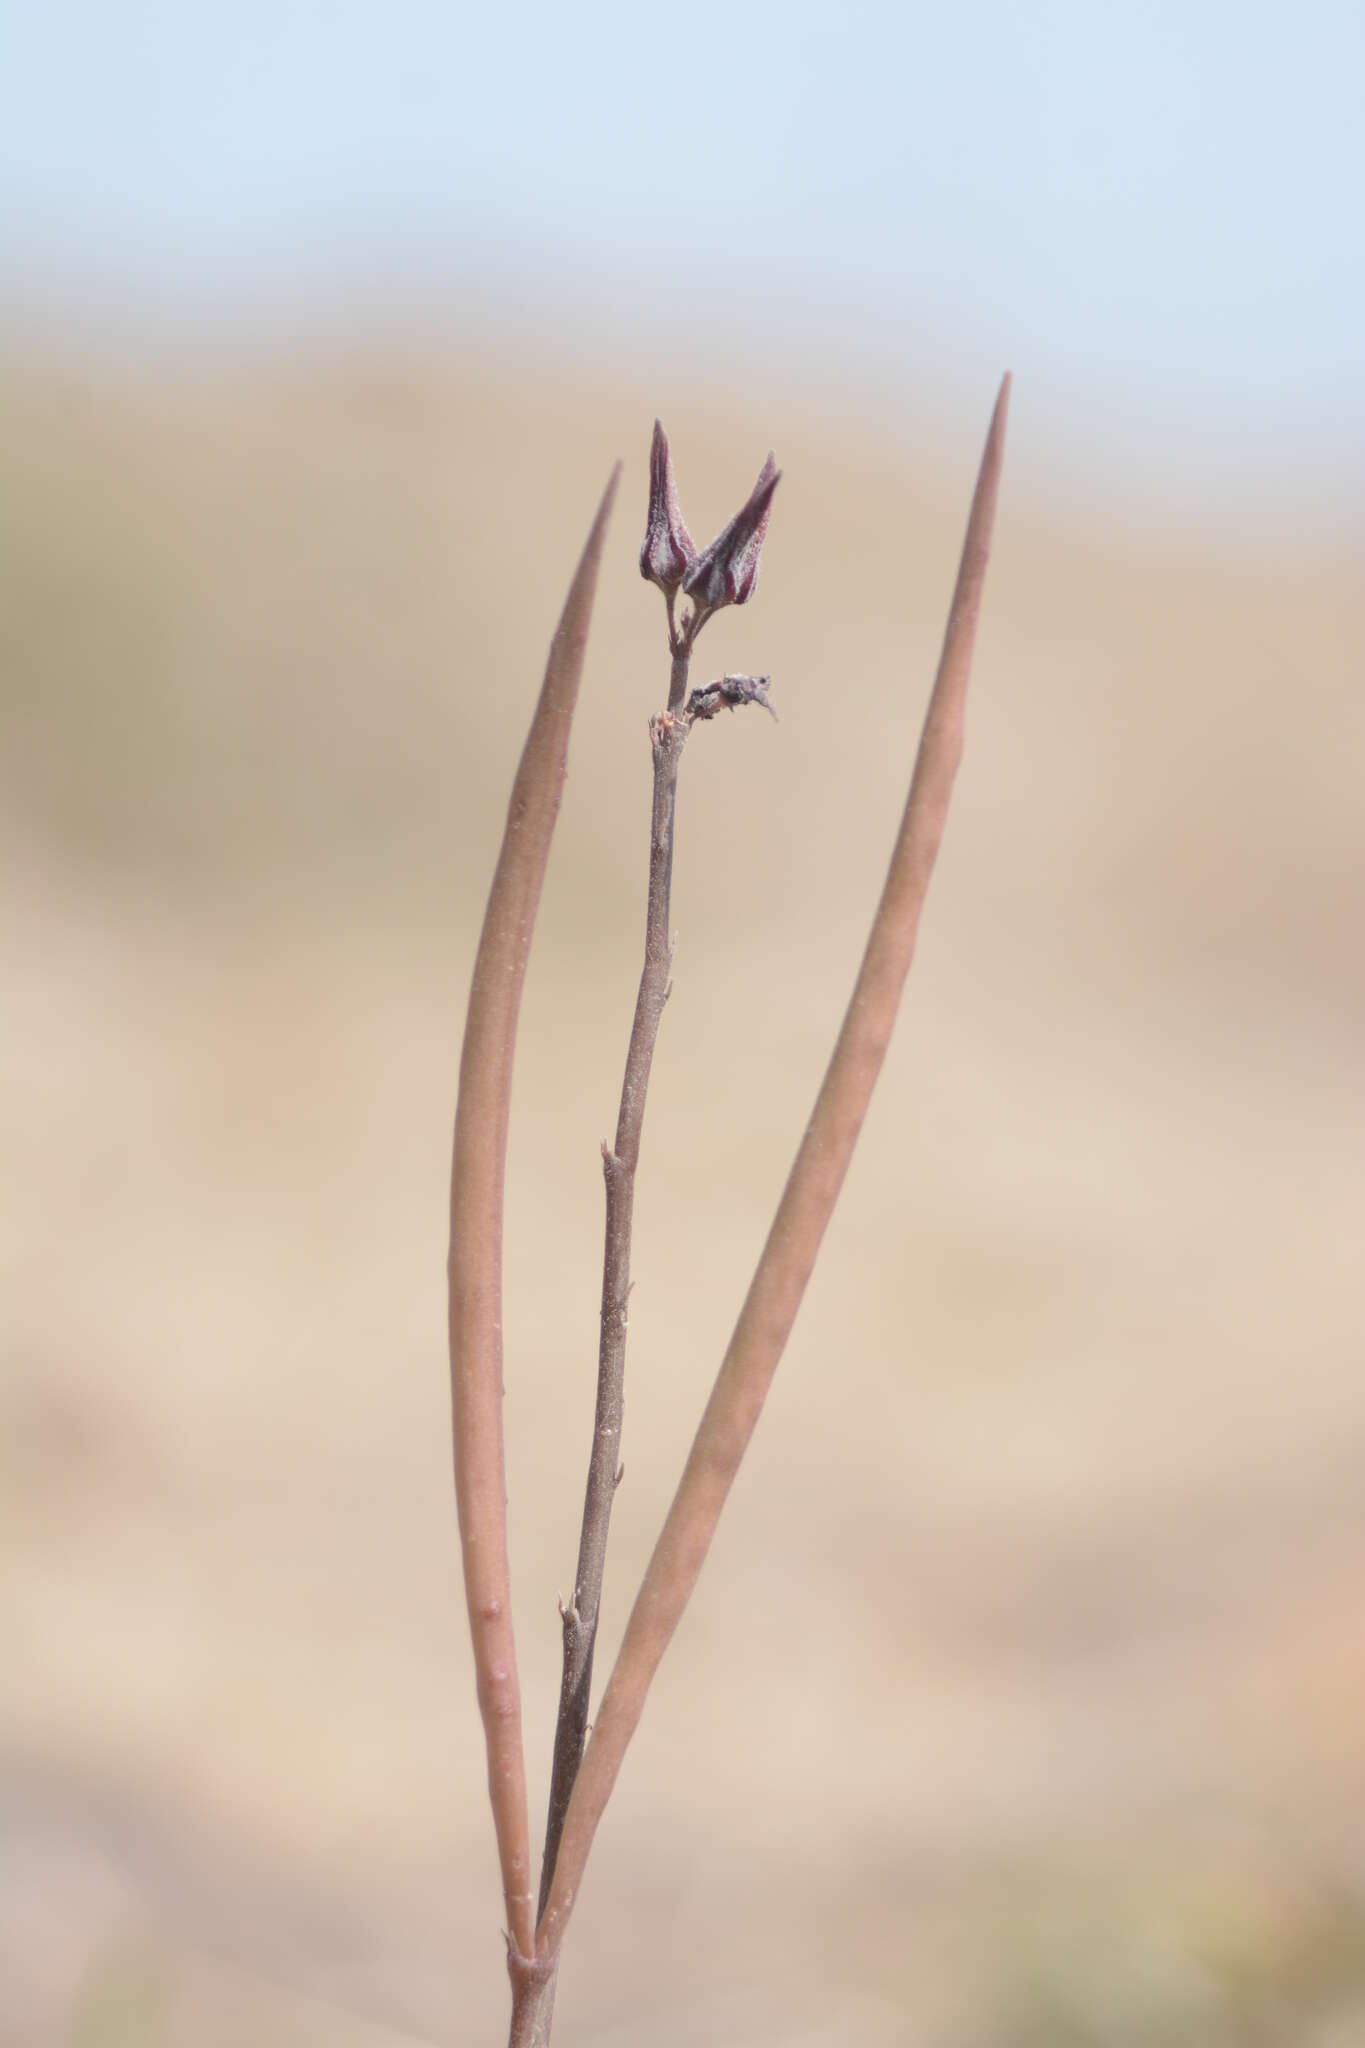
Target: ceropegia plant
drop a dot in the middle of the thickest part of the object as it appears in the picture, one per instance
(584, 1771)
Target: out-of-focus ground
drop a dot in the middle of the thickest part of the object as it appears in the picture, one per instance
(1023, 1699)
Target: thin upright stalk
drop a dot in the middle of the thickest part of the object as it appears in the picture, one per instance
(807, 1203)
(533, 2000)
(476, 1208)
(668, 735)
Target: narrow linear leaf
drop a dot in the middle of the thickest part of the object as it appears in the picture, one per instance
(476, 1210)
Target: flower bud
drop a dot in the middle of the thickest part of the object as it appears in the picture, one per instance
(726, 572)
(668, 546)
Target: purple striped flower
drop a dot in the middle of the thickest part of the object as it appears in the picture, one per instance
(668, 546)
(726, 572)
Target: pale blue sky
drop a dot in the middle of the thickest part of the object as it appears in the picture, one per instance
(1150, 207)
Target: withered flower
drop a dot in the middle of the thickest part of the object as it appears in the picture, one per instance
(726, 572)
(668, 546)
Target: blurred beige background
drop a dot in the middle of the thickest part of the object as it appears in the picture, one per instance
(1021, 1701)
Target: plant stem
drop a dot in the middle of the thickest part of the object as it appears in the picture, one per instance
(668, 735)
(533, 2001)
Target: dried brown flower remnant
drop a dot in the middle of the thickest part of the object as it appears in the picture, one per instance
(668, 546)
(726, 572)
(728, 694)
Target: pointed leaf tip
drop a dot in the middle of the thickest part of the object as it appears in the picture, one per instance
(1002, 406)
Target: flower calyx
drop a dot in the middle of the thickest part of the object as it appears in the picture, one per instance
(668, 548)
(726, 571)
